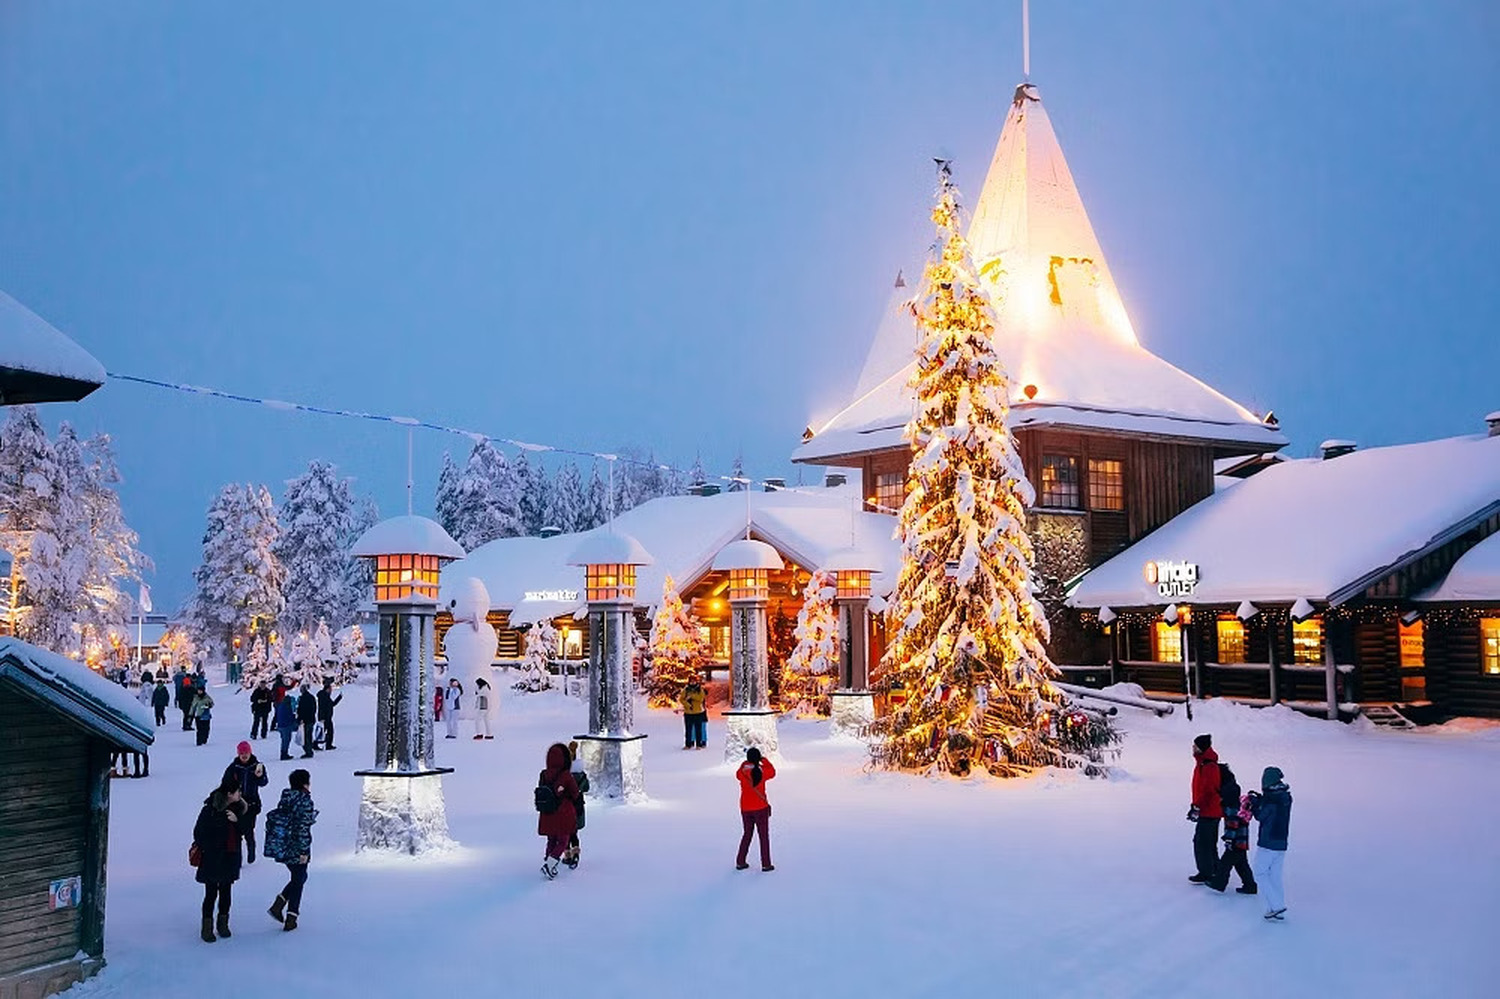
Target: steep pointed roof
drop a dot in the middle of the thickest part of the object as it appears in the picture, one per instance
(895, 339)
(1063, 331)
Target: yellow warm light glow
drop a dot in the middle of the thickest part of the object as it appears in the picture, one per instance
(402, 577)
(853, 584)
(749, 584)
(609, 582)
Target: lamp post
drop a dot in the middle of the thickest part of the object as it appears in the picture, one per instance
(613, 755)
(750, 720)
(402, 809)
(853, 704)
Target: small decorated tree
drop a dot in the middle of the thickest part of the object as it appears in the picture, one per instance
(256, 669)
(781, 639)
(177, 648)
(678, 649)
(348, 649)
(807, 678)
(541, 646)
(322, 647)
(966, 659)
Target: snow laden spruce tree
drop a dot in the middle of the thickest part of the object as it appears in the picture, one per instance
(256, 668)
(677, 649)
(240, 579)
(317, 521)
(541, 646)
(966, 673)
(808, 674)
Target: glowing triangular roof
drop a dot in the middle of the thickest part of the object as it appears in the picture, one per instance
(1063, 332)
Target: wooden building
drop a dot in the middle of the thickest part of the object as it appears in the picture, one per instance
(1115, 440)
(1339, 585)
(59, 725)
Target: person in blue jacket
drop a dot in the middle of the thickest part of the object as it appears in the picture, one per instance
(296, 817)
(286, 723)
(1272, 808)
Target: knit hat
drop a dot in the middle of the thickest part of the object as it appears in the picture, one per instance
(1203, 741)
(1271, 776)
(243, 749)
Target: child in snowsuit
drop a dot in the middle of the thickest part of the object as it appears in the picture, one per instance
(1236, 848)
(484, 707)
(755, 808)
(561, 823)
(570, 855)
(202, 712)
(216, 835)
(160, 698)
(1272, 808)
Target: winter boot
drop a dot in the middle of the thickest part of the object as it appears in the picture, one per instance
(278, 909)
(291, 922)
(549, 868)
(1247, 889)
(223, 925)
(208, 929)
(571, 859)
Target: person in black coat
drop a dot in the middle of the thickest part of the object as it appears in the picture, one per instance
(216, 835)
(326, 703)
(250, 775)
(260, 710)
(184, 697)
(307, 714)
(160, 698)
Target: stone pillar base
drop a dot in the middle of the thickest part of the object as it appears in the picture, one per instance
(853, 713)
(743, 729)
(615, 765)
(403, 813)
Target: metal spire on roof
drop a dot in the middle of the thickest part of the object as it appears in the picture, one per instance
(1026, 40)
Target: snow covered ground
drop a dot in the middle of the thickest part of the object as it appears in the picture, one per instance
(885, 884)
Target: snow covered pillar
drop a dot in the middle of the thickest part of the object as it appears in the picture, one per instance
(401, 809)
(853, 705)
(612, 755)
(750, 720)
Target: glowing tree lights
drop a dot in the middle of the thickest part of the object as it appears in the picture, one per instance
(678, 649)
(966, 662)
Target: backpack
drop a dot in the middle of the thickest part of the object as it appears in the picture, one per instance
(1229, 790)
(547, 800)
(273, 842)
(582, 780)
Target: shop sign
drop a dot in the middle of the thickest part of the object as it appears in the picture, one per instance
(1172, 580)
(532, 595)
(65, 893)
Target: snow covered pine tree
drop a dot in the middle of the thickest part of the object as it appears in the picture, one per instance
(808, 675)
(541, 646)
(967, 650)
(677, 649)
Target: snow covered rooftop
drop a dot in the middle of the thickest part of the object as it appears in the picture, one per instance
(531, 577)
(407, 535)
(106, 709)
(1314, 529)
(1474, 577)
(1062, 327)
(38, 363)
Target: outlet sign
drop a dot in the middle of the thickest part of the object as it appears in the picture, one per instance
(1173, 580)
(551, 595)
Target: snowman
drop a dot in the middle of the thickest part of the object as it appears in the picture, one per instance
(470, 646)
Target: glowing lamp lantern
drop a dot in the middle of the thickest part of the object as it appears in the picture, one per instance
(852, 704)
(613, 755)
(402, 808)
(750, 720)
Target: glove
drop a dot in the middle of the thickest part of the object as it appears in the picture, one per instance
(1192, 815)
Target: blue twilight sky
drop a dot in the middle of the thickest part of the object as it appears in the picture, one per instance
(674, 224)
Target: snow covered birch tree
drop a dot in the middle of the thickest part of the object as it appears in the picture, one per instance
(809, 672)
(678, 650)
(966, 672)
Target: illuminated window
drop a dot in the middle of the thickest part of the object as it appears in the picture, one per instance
(852, 583)
(1489, 645)
(1231, 640)
(1106, 484)
(717, 637)
(1166, 643)
(749, 584)
(400, 577)
(890, 491)
(1060, 481)
(1307, 642)
(609, 582)
(1412, 645)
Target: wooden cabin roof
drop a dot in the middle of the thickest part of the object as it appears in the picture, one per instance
(102, 708)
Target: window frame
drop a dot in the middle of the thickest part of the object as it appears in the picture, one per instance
(1106, 486)
(889, 495)
(1489, 646)
(1241, 640)
(1055, 497)
(1301, 656)
(1174, 645)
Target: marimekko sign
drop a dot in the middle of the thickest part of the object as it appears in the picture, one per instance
(533, 595)
(1172, 579)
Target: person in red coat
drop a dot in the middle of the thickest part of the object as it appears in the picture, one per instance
(437, 705)
(1206, 810)
(561, 823)
(755, 807)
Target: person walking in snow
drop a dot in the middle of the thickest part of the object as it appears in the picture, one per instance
(286, 724)
(293, 820)
(144, 695)
(453, 696)
(251, 776)
(261, 703)
(694, 715)
(1206, 810)
(437, 704)
(326, 703)
(281, 688)
(1236, 837)
(202, 712)
(570, 855)
(216, 839)
(184, 697)
(484, 708)
(557, 801)
(160, 698)
(755, 808)
(307, 714)
(1272, 808)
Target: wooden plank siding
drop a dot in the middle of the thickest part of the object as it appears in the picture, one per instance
(1454, 678)
(44, 829)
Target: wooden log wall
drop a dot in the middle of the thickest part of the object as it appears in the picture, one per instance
(1454, 680)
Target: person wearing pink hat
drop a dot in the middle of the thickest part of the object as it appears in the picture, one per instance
(250, 776)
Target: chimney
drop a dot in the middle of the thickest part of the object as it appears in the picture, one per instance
(772, 485)
(1493, 422)
(832, 479)
(1336, 448)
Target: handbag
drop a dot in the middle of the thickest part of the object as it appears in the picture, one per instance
(195, 855)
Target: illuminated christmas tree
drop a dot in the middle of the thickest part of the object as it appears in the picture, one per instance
(781, 639)
(966, 675)
(255, 669)
(678, 649)
(809, 672)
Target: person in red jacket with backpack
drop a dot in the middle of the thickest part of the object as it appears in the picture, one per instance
(556, 800)
(755, 808)
(1206, 810)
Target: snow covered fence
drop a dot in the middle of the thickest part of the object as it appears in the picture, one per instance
(1142, 702)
